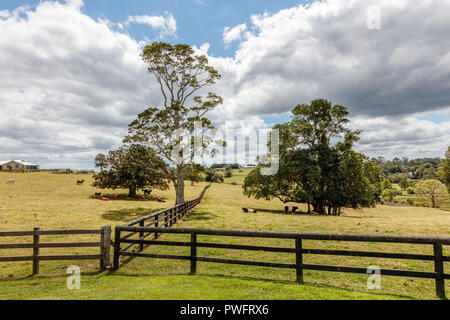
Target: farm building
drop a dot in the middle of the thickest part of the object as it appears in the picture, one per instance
(15, 165)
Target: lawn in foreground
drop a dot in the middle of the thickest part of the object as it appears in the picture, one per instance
(60, 204)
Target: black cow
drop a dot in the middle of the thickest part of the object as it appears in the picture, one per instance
(290, 209)
(247, 210)
(147, 192)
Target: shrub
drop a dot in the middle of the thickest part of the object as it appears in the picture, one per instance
(410, 190)
(410, 202)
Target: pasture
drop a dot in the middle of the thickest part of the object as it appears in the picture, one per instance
(53, 201)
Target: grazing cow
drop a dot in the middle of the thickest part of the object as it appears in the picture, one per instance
(115, 196)
(98, 194)
(160, 200)
(290, 209)
(104, 199)
(147, 192)
(247, 210)
(11, 181)
(80, 182)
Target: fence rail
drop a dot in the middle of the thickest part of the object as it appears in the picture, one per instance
(438, 275)
(165, 218)
(104, 244)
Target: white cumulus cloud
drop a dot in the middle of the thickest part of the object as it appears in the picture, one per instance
(233, 34)
(167, 25)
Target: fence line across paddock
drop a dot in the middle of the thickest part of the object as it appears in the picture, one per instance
(166, 218)
(104, 244)
(438, 275)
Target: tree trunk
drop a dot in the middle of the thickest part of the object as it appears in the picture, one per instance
(192, 183)
(433, 202)
(132, 192)
(179, 187)
(309, 207)
(319, 207)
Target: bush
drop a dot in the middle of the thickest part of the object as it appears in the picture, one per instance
(410, 190)
(228, 174)
(389, 194)
(410, 202)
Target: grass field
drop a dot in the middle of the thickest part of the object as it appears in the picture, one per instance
(53, 201)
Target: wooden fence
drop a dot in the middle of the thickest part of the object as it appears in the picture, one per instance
(438, 275)
(104, 245)
(164, 218)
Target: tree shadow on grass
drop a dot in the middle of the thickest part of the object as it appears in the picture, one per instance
(128, 214)
(124, 197)
(200, 216)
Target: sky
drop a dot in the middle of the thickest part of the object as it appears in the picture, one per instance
(72, 80)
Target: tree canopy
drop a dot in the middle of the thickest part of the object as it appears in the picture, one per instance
(131, 167)
(432, 190)
(312, 170)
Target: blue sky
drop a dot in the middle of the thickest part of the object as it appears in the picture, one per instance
(198, 21)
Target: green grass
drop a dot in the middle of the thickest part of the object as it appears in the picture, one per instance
(60, 204)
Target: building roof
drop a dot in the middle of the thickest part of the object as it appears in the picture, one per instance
(22, 162)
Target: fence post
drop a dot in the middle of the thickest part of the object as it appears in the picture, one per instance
(175, 215)
(141, 235)
(116, 261)
(156, 225)
(105, 249)
(165, 219)
(439, 269)
(193, 253)
(36, 239)
(299, 259)
(171, 217)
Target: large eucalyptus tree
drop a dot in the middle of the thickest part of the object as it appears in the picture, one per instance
(183, 77)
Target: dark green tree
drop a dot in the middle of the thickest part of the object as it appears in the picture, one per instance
(131, 167)
(314, 171)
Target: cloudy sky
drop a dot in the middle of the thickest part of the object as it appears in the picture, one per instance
(71, 77)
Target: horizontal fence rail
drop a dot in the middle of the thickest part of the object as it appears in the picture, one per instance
(104, 244)
(165, 218)
(438, 275)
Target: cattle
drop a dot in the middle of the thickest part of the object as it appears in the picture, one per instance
(160, 200)
(247, 210)
(80, 182)
(115, 196)
(147, 192)
(290, 209)
(104, 199)
(11, 181)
